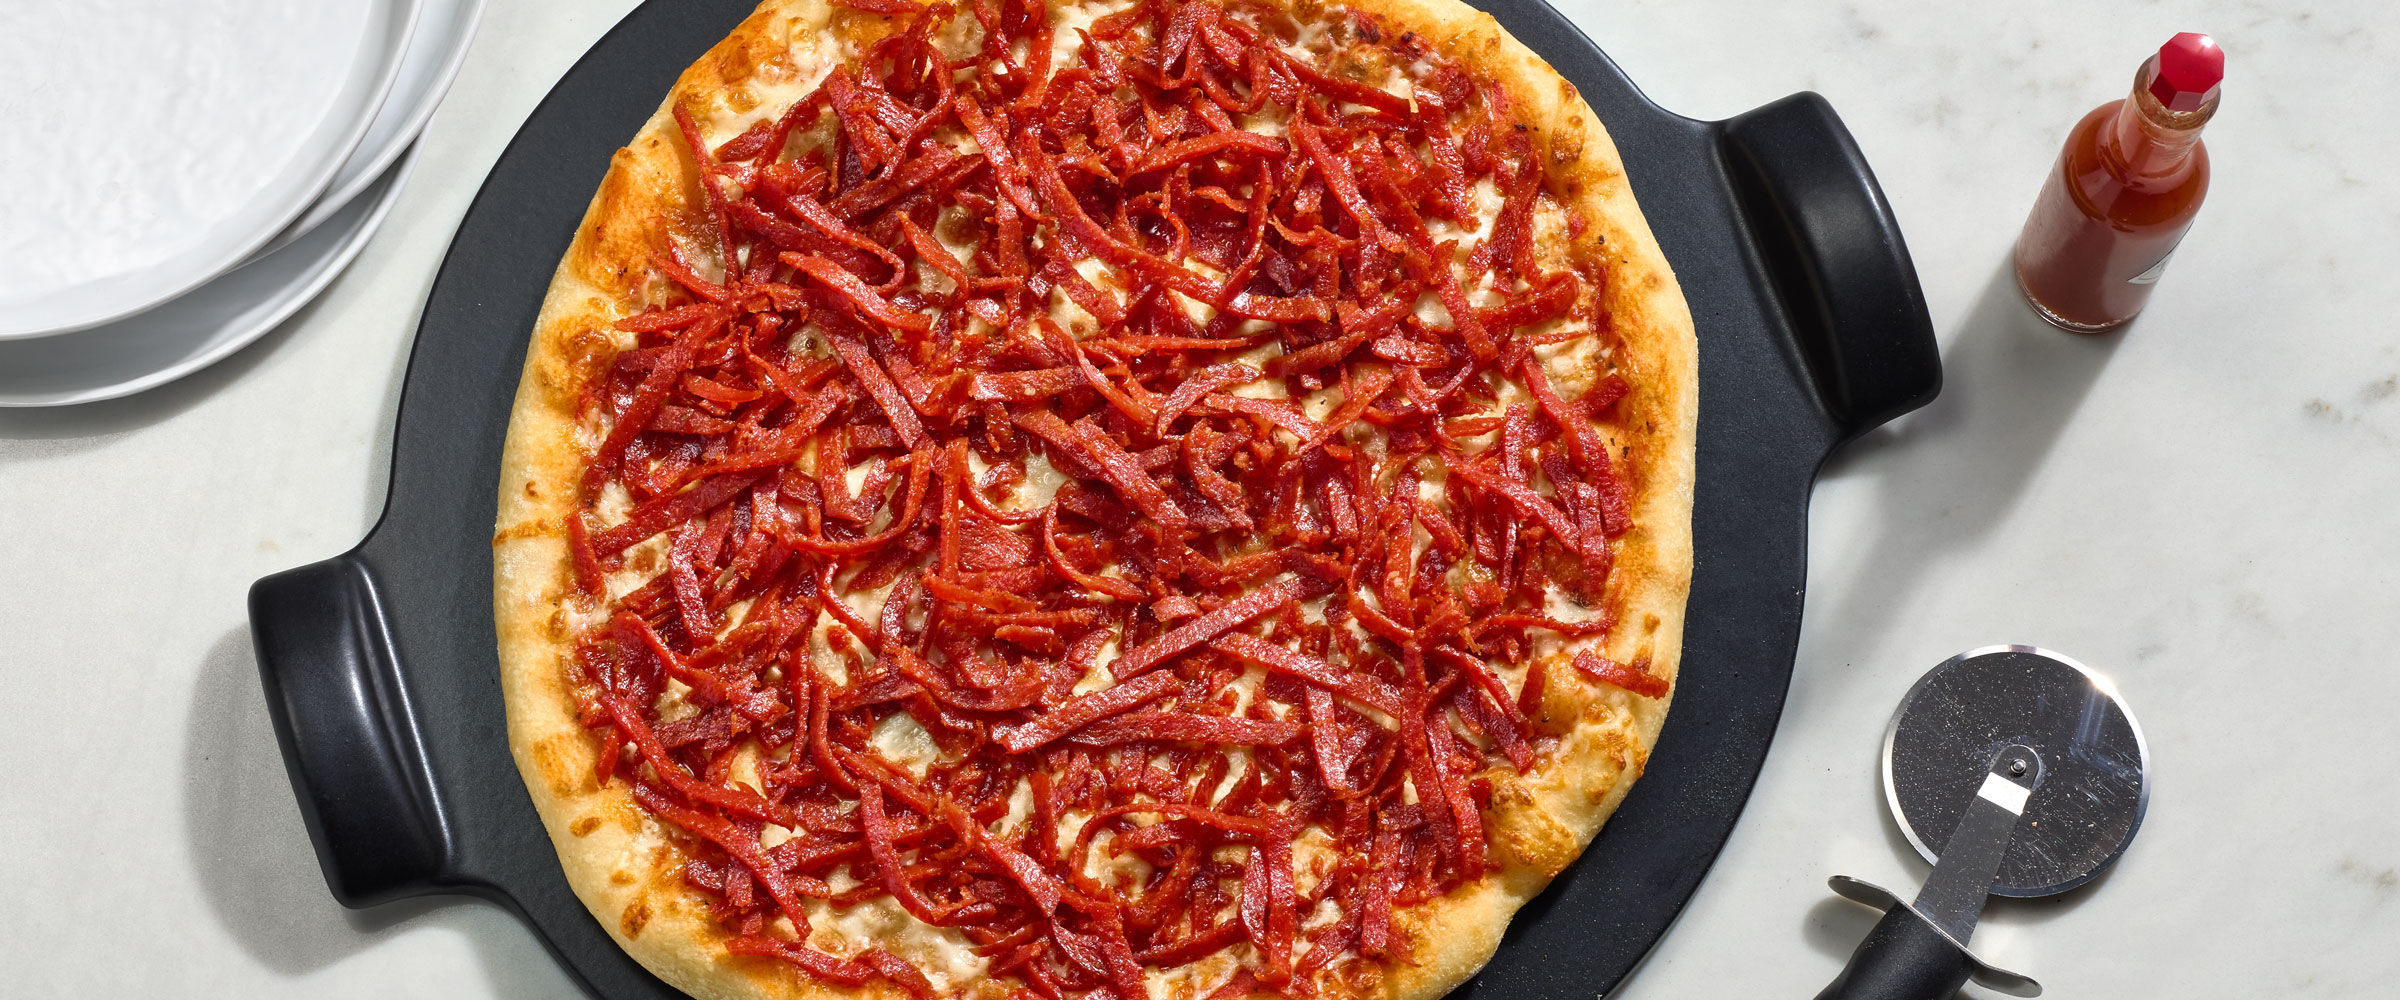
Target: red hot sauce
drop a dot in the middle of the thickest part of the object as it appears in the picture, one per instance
(2124, 191)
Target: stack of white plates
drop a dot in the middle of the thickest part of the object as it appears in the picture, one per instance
(183, 175)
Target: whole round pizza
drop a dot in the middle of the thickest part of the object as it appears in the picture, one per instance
(1131, 500)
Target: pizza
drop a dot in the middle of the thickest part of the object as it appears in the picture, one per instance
(1122, 500)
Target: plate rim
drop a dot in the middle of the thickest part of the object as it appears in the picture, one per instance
(294, 297)
(395, 21)
(468, 21)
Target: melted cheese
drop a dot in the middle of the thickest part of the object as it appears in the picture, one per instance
(1245, 687)
(811, 56)
(900, 739)
(1313, 38)
(868, 604)
(1042, 481)
(946, 955)
(1099, 676)
(1069, 314)
(1270, 119)
(1238, 761)
(1313, 843)
(1020, 807)
(1067, 25)
(1261, 358)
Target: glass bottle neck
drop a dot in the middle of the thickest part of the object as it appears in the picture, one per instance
(2150, 139)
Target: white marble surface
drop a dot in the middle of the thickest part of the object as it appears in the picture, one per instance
(2202, 506)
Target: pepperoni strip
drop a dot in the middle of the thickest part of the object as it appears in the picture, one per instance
(1086, 710)
(1609, 671)
(1187, 727)
(1214, 623)
(1366, 691)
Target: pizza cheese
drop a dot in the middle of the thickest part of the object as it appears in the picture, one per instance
(1147, 498)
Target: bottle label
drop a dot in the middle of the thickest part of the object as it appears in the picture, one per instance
(2151, 273)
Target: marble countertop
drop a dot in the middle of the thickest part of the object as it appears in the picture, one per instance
(2202, 507)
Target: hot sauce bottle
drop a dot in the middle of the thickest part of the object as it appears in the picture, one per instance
(2124, 191)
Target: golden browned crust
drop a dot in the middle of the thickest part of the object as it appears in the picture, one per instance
(621, 862)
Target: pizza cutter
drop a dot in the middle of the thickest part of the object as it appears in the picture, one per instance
(2026, 770)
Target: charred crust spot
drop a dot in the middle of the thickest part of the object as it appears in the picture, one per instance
(620, 878)
(553, 758)
(1567, 143)
(637, 916)
(1360, 978)
(1530, 836)
(584, 827)
(527, 529)
(1603, 780)
(666, 865)
(587, 347)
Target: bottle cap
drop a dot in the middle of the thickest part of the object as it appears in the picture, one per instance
(2190, 66)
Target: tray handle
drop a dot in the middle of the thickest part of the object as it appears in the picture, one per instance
(349, 738)
(1837, 259)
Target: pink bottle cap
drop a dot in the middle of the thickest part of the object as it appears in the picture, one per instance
(2190, 66)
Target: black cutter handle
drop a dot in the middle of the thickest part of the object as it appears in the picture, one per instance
(350, 740)
(1903, 958)
(1839, 265)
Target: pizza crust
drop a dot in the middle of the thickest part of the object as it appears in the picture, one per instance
(621, 862)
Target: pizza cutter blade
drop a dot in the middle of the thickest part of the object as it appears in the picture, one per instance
(2028, 772)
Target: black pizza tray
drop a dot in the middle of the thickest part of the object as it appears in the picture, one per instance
(381, 668)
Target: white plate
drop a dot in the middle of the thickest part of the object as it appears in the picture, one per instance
(153, 144)
(435, 50)
(198, 329)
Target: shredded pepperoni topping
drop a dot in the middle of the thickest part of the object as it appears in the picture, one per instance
(1129, 434)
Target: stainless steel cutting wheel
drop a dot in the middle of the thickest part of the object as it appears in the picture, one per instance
(2028, 771)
